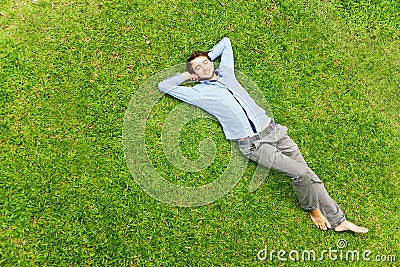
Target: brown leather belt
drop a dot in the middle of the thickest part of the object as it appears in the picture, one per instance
(258, 136)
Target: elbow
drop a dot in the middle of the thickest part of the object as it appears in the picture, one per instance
(162, 87)
(226, 39)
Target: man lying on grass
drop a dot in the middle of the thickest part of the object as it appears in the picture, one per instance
(260, 138)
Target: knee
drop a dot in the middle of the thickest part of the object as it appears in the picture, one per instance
(301, 178)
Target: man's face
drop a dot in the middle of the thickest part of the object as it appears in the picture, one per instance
(203, 67)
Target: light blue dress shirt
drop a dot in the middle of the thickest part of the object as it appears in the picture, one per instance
(223, 98)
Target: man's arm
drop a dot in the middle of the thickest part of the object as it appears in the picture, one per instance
(172, 86)
(224, 49)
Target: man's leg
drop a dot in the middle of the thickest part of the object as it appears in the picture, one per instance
(266, 153)
(329, 208)
(309, 188)
(327, 205)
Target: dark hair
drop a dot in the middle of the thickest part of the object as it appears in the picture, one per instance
(193, 56)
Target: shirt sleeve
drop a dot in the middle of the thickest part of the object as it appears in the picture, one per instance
(224, 49)
(172, 87)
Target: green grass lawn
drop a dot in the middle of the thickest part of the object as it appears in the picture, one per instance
(329, 70)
